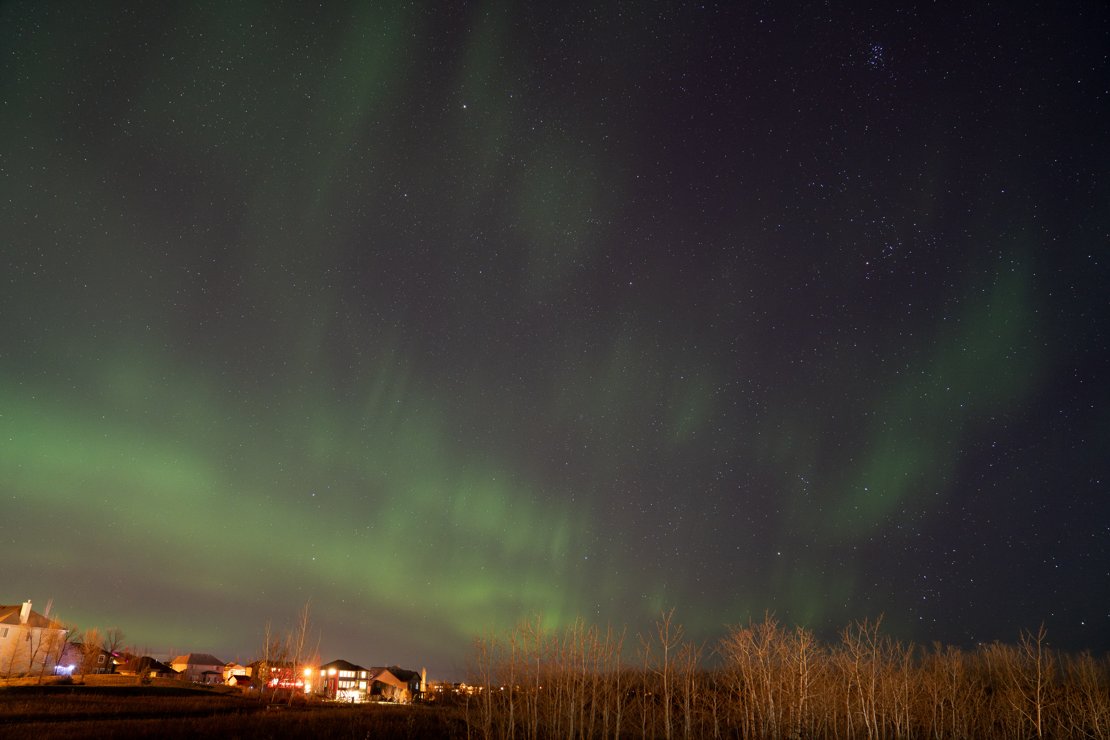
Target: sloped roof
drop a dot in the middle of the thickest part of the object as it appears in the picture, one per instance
(402, 675)
(10, 615)
(342, 665)
(197, 659)
(145, 664)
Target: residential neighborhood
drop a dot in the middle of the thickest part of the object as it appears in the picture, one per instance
(32, 644)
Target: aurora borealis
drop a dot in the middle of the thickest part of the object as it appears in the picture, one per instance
(441, 317)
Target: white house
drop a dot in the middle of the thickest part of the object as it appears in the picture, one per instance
(30, 643)
(234, 669)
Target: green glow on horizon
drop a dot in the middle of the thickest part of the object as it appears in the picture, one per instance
(472, 542)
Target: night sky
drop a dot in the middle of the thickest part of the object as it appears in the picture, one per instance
(441, 315)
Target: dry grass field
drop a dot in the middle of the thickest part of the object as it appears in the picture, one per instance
(115, 708)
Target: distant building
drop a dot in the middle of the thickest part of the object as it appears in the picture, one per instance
(234, 669)
(30, 643)
(235, 679)
(395, 684)
(340, 680)
(145, 666)
(78, 659)
(199, 667)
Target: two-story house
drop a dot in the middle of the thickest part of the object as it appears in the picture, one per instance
(30, 643)
(199, 667)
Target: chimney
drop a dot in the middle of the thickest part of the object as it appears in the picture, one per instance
(25, 612)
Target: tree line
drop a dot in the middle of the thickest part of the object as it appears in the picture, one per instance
(769, 680)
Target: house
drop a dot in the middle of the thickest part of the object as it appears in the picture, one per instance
(145, 666)
(340, 680)
(81, 659)
(237, 679)
(199, 667)
(395, 684)
(234, 669)
(30, 643)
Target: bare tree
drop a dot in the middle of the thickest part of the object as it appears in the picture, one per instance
(615, 645)
(689, 686)
(669, 637)
(57, 642)
(780, 682)
(113, 643)
(861, 643)
(273, 653)
(262, 669)
(483, 680)
(1031, 674)
(297, 639)
(38, 640)
(1088, 700)
(90, 650)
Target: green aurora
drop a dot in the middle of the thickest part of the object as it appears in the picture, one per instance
(439, 319)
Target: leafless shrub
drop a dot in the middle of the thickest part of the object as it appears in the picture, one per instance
(773, 681)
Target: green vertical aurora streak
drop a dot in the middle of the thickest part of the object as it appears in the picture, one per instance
(984, 364)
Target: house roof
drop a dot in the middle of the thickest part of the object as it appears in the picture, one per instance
(197, 659)
(342, 665)
(399, 673)
(10, 615)
(145, 664)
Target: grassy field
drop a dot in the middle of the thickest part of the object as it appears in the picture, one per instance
(116, 709)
